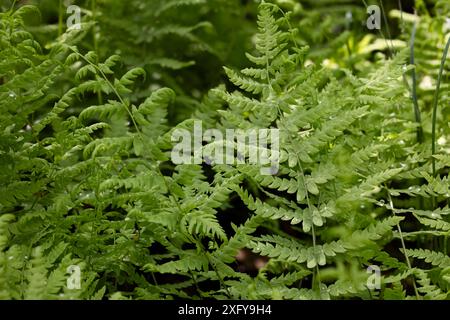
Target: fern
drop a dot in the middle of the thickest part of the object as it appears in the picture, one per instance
(87, 124)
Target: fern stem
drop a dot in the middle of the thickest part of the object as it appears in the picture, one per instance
(435, 106)
(391, 51)
(408, 263)
(114, 90)
(388, 29)
(316, 275)
(13, 5)
(200, 292)
(400, 7)
(222, 284)
(424, 232)
(313, 232)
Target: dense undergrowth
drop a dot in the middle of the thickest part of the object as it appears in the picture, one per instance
(87, 179)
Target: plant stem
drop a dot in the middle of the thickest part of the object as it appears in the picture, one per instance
(435, 105)
(399, 229)
(388, 30)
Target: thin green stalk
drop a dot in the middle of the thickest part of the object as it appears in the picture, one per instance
(200, 292)
(316, 275)
(13, 5)
(388, 30)
(399, 229)
(435, 106)
(390, 49)
(113, 89)
(222, 283)
(424, 232)
(400, 7)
